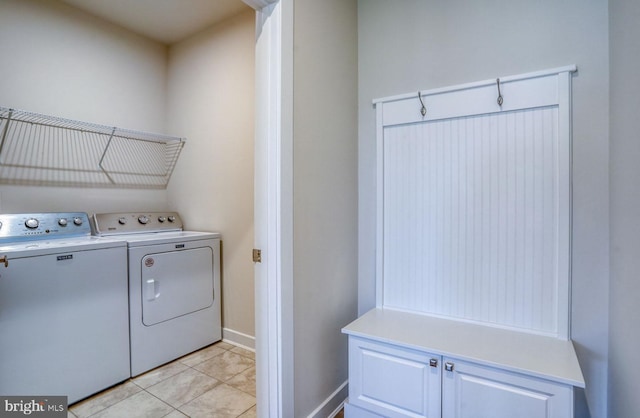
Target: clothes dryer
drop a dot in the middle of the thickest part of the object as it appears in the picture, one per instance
(174, 285)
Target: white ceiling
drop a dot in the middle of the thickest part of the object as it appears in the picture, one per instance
(166, 21)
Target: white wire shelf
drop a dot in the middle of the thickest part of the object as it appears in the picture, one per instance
(43, 150)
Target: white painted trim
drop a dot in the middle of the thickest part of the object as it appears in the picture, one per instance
(238, 338)
(266, 272)
(328, 408)
(339, 408)
(565, 198)
(285, 168)
(519, 93)
(274, 210)
(259, 4)
(475, 84)
(379, 205)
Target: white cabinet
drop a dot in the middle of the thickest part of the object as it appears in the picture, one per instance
(472, 256)
(408, 365)
(393, 382)
(473, 391)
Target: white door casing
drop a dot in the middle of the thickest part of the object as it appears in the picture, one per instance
(273, 207)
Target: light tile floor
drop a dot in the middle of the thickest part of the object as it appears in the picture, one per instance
(216, 381)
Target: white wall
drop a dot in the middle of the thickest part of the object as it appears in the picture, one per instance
(409, 45)
(324, 198)
(62, 62)
(624, 343)
(211, 102)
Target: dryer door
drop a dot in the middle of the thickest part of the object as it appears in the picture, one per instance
(176, 283)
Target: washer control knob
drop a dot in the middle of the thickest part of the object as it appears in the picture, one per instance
(171, 218)
(31, 223)
(62, 222)
(122, 220)
(161, 219)
(0, 225)
(143, 219)
(77, 221)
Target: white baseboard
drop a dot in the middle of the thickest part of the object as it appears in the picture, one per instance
(238, 338)
(338, 409)
(332, 405)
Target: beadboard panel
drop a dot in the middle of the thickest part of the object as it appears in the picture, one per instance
(474, 219)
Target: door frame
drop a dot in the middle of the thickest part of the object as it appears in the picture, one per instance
(273, 207)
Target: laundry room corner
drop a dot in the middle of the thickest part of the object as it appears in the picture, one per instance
(65, 62)
(210, 102)
(61, 61)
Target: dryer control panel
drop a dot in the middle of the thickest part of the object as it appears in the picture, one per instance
(132, 223)
(32, 226)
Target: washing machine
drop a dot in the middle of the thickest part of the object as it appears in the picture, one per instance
(174, 285)
(64, 323)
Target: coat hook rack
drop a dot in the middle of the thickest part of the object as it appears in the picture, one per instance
(500, 99)
(423, 110)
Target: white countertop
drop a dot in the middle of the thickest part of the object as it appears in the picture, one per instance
(546, 357)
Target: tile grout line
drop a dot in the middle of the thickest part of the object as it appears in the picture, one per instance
(142, 389)
(221, 382)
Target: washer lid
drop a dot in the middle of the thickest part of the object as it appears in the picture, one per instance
(57, 246)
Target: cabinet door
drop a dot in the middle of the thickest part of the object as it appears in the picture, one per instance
(473, 391)
(392, 381)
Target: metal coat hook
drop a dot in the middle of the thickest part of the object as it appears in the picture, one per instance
(423, 110)
(500, 99)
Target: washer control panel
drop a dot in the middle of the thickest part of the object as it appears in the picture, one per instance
(32, 226)
(132, 223)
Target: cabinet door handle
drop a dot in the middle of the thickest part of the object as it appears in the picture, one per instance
(448, 366)
(433, 362)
